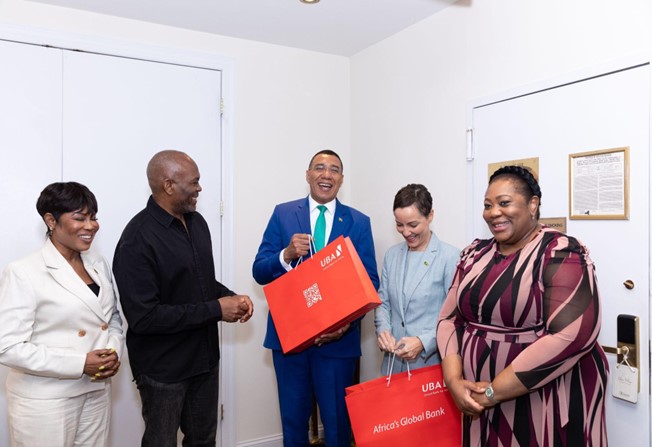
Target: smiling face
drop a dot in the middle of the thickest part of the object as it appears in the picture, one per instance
(413, 226)
(324, 177)
(73, 232)
(184, 187)
(510, 216)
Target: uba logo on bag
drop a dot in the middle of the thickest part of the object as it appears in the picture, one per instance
(431, 388)
(330, 258)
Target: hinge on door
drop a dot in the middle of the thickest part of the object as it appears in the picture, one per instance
(469, 144)
(221, 106)
(222, 412)
(221, 208)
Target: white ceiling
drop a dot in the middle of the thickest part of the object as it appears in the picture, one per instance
(341, 27)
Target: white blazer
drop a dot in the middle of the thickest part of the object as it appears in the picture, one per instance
(50, 319)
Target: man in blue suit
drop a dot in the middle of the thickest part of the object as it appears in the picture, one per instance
(327, 367)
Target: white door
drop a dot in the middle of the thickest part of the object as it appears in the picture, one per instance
(117, 113)
(606, 110)
(30, 138)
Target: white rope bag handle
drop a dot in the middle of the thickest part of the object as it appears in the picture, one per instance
(313, 250)
(391, 368)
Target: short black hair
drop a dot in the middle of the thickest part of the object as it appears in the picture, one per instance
(326, 152)
(64, 197)
(414, 194)
(526, 183)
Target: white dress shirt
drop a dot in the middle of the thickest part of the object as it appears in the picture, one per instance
(329, 215)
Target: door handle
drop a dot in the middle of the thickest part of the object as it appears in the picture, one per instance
(612, 350)
(627, 347)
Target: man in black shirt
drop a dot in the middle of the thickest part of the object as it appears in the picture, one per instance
(165, 274)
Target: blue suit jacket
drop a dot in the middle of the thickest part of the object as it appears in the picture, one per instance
(416, 314)
(294, 217)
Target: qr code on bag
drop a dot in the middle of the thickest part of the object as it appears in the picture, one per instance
(312, 295)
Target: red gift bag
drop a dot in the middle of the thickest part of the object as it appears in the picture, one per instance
(322, 294)
(412, 408)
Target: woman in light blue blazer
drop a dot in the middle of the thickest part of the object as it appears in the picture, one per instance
(416, 276)
(60, 330)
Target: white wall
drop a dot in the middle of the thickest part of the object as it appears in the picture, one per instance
(289, 103)
(410, 93)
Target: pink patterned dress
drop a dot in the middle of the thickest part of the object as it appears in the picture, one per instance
(537, 309)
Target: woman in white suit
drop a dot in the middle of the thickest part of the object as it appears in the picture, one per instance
(60, 330)
(416, 276)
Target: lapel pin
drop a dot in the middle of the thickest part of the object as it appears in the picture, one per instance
(340, 219)
(426, 263)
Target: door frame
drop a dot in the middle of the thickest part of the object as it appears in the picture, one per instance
(629, 62)
(192, 58)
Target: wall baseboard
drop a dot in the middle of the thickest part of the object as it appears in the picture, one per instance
(268, 441)
(272, 441)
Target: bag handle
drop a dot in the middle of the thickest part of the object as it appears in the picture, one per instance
(392, 356)
(313, 247)
(313, 250)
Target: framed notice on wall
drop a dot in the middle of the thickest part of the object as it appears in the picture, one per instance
(599, 184)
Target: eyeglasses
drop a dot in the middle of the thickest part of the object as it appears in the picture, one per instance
(321, 168)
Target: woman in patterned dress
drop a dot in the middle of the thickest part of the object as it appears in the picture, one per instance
(518, 330)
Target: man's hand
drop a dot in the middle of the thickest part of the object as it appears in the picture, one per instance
(299, 246)
(236, 308)
(327, 338)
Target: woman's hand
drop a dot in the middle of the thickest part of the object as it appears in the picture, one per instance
(463, 392)
(481, 398)
(506, 386)
(409, 348)
(101, 364)
(386, 341)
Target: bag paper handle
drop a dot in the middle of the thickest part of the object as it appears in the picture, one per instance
(391, 367)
